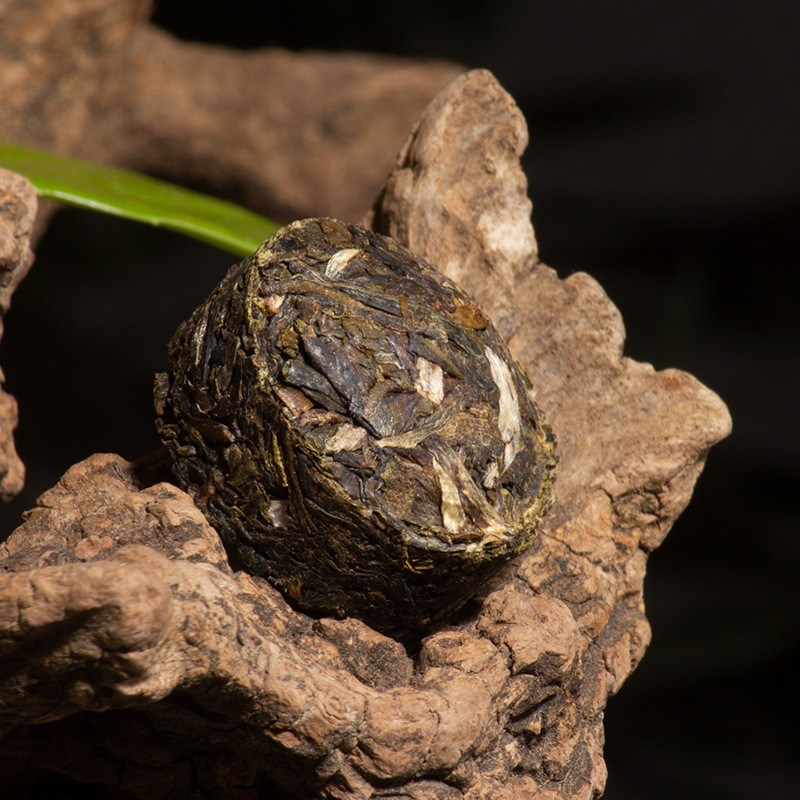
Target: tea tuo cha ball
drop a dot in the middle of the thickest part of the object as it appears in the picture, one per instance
(355, 429)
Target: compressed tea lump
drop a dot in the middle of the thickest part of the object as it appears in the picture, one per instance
(355, 429)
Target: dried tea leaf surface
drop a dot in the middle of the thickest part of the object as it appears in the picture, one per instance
(354, 427)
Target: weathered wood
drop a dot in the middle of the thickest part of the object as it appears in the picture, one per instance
(17, 213)
(116, 595)
(289, 134)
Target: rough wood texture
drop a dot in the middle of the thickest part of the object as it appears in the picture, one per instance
(17, 212)
(116, 596)
(289, 134)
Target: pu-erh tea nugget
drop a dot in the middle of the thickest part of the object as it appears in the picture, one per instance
(354, 428)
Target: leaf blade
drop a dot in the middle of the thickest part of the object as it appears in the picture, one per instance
(138, 197)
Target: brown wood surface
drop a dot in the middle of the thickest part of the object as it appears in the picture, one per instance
(132, 656)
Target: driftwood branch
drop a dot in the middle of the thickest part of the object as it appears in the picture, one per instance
(17, 213)
(116, 595)
(289, 134)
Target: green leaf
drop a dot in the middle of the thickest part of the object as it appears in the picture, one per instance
(134, 196)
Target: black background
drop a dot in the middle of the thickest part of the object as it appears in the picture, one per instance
(663, 161)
